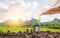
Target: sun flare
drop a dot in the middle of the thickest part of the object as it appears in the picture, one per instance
(14, 18)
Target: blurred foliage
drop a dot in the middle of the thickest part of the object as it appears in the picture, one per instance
(52, 26)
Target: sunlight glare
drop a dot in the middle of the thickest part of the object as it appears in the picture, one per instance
(14, 18)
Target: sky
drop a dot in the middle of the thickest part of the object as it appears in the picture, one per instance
(26, 9)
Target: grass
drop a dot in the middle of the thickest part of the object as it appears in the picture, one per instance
(12, 29)
(48, 29)
(16, 29)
